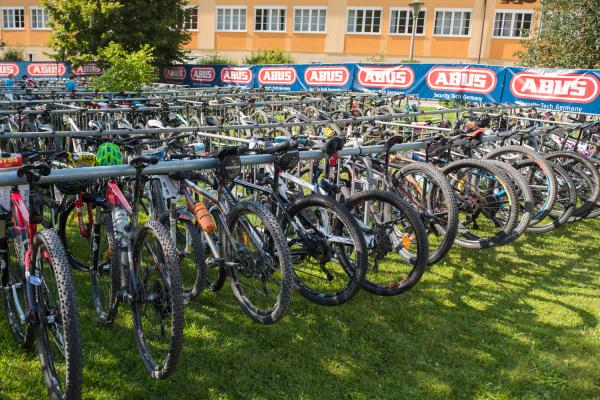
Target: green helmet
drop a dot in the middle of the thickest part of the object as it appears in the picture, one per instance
(108, 154)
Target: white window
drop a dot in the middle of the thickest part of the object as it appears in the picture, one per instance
(513, 24)
(231, 19)
(364, 20)
(452, 22)
(13, 18)
(39, 18)
(269, 19)
(310, 19)
(401, 22)
(190, 18)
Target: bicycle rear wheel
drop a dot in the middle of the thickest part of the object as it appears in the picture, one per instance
(487, 203)
(258, 262)
(396, 241)
(157, 307)
(328, 250)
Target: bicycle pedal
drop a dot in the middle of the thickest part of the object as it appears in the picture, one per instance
(211, 262)
(126, 297)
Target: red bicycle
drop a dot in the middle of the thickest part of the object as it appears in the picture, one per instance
(37, 288)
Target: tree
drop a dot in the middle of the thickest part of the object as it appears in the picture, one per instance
(12, 54)
(570, 36)
(127, 72)
(274, 56)
(82, 28)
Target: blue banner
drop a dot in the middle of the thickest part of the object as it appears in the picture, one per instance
(35, 70)
(473, 83)
(559, 90)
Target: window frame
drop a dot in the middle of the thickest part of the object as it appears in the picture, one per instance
(271, 8)
(35, 8)
(513, 12)
(453, 10)
(358, 8)
(184, 9)
(310, 8)
(2, 9)
(231, 8)
(422, 10)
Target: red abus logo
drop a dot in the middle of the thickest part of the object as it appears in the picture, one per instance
(573, 88)
(88, 69)
(399, 77)
(46, 69)
(175, 73)
(8, 68)
(457, 79)
(203, 74)
(242, 76)
(327, 76)
(277, 76)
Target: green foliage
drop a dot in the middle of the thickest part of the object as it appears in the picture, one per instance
(126, 71)
(273, 56)
(12, 54)
(215, 59)
(570, 37)
(378, 58)
(516, 322)
(82, 28)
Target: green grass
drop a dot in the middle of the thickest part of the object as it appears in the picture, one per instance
(515, 322)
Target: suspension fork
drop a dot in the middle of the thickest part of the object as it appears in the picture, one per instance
(84, 228)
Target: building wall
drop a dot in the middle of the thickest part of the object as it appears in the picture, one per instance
(335, 45)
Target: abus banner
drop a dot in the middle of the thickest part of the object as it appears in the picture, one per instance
(280, 77)
(237, 76)
(87, 70)
(7, 68)
(47, 70)
(326, 77)
(399, 78)
(561, 90)
(174, 74)
(477, 83)
(203, 76)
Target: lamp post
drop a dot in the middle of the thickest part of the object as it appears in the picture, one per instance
(415, 6)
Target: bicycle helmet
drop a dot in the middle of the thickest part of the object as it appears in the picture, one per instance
(108, 154)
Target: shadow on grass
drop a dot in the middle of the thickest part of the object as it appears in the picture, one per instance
(514, 322)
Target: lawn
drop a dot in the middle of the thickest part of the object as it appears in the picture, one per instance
(515, 322)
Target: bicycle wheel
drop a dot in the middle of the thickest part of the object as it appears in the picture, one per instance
(396, 240)
(57, 334)
(157, 307)
(540, 177)
(585, 176)
(524, 198)
(427, 189)
(487, 202)
(76, 236)
(13, 278)
(328, 249)
(190, 246)
(259, 262)
(104, 270)
(564, 206)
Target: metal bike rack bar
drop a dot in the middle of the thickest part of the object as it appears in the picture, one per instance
(122, 132)
(167, 167)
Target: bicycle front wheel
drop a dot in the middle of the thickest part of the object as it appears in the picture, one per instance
(57, 332)
(157, 305)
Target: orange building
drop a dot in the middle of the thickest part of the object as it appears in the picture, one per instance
(464, 31)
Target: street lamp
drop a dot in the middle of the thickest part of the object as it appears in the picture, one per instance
(415, 6)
